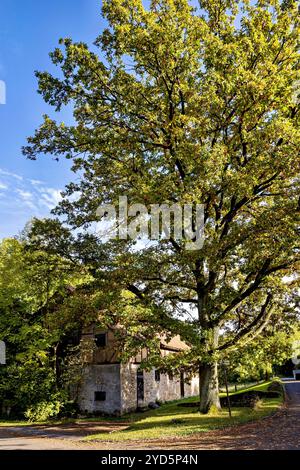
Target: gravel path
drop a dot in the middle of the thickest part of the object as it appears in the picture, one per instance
(282, 431)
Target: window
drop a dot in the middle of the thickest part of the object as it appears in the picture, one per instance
(100, 340)
(182, 384)
(100, 396)
(171, 376)
(140, 384)
(157, 375)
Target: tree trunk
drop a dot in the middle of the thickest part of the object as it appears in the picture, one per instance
(56, 365)
(267, 376)
(209, 387)
(208, 372)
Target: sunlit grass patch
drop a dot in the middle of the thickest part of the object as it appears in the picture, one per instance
(170, 420)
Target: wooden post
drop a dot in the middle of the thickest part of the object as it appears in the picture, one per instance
(227, 392)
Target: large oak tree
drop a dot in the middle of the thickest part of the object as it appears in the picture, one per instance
(184, 105)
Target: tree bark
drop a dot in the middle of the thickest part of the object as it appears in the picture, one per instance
(209, 387)
(267, 376)
(208, 371)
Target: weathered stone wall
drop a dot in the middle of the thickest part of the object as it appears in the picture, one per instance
(169, 388)
(166, 389)
(104, 373)
(101, 378)
(191, 388)
(128, 387)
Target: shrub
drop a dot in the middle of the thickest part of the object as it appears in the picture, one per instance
(43, 411)
(275, 386)
(257, 404)
(69, 409)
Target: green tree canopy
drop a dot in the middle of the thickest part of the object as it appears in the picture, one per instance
(184, 105)
(37, 323)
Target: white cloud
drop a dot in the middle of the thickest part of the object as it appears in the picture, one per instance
(27, 198)
(22, 198)
(2, 92)
(3, 186)
(11, 174)
(36, 182)
(50, 197)
(25, 195)
(39, 197)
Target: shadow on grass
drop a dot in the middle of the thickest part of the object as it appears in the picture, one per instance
(175, 422)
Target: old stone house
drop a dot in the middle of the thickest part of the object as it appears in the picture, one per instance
(109, 386)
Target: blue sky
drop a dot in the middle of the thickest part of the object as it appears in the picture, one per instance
(29, 30)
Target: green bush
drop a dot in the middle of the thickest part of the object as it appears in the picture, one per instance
(276, 386)
(44, 411)
(69, 409)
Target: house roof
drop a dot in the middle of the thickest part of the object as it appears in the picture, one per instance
(175, 344)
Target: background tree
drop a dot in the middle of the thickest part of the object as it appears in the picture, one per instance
(266, 355)
(38, 326)
(184, 105)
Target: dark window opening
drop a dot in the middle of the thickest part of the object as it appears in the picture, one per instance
(171, 376)
(157, 375)
(100, 340)
(100, 396)
(182, 384)
(140, 385)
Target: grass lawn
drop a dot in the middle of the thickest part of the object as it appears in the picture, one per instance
(5, 423)
(171, 420)
(14, 423)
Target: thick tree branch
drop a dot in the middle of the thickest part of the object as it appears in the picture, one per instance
(253, 328)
